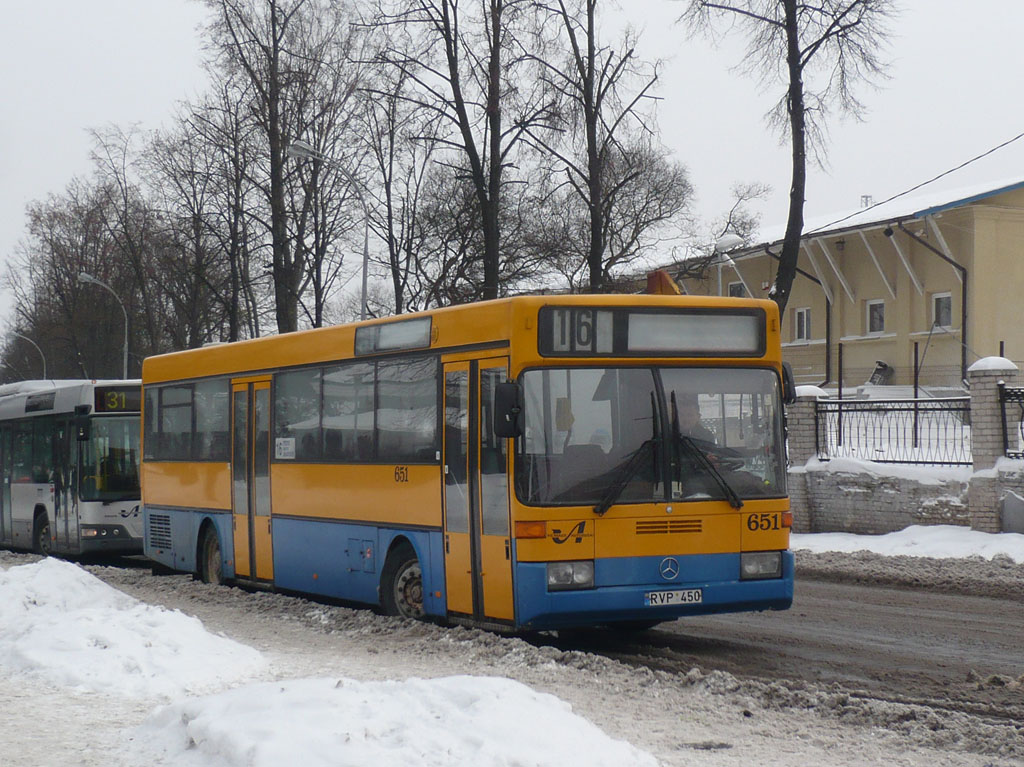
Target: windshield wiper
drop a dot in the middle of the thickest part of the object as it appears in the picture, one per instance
(702, 459)
(622, 479)
(630, 466)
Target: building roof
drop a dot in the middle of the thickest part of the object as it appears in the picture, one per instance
(917, 204)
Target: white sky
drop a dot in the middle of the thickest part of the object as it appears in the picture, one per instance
(70, 66)
(212, 705)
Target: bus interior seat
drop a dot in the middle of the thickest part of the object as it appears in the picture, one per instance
(579, 463)
(332, 443)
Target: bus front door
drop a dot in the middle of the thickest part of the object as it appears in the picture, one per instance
(66, 522)
(250, 474)
(6, 469)
(477, 544)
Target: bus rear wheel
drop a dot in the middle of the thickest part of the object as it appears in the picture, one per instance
(41, 535)
(211, 564)
(402, 584)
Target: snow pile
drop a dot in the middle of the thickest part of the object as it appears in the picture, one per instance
(925, 475)
(61, 624)
(938, 541)
(447, 722)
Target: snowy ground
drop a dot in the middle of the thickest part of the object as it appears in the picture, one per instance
(90, 675)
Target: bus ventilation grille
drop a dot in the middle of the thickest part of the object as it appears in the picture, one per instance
(669, 526)
(160, 531)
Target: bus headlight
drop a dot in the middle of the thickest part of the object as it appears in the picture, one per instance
(563, 576)
(760, 564)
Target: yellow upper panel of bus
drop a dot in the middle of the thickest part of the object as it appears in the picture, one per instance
(508, 321)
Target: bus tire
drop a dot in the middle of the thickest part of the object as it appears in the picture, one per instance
(211, 563)
(402, 584)
(41, 534)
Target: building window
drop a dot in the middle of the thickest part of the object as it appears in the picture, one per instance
(802, 324)
(875, 317)
(942, 310)
(736, 290)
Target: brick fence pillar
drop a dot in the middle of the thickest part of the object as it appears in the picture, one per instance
(802, 446)
(984, 496)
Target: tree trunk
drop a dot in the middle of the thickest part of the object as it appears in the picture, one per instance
(797, 123)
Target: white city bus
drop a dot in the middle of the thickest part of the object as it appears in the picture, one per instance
(69, 466)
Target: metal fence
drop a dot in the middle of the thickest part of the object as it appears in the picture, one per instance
(1011, 401)
(921, 431)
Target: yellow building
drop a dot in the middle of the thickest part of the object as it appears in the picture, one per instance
(939, 276)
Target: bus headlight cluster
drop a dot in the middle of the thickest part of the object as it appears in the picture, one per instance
(760, 564)
(563, 576)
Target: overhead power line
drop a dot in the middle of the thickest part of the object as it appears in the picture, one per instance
(922, 184)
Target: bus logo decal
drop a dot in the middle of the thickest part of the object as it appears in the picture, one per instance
(669, 568)
(557, 537)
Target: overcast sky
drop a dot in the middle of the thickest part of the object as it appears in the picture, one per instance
(954, 93)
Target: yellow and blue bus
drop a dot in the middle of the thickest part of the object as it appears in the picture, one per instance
(69, 467)
(534, 462)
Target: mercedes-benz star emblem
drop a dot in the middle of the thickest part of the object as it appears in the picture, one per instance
(669, 568)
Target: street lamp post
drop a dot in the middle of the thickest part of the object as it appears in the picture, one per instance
(724, 244)
(41, 355)
(304, 150)
(85, 277)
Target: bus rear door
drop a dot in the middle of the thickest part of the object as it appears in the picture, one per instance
(250, 474)
(478, 561)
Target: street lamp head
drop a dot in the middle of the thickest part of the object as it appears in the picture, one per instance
(728, 242)
(85, 277)
(302, 149)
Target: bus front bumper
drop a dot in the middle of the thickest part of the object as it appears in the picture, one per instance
(622, 589)
(113, 539)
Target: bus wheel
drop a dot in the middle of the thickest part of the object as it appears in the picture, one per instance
(41, 535)
(402, 584)
(211, 565)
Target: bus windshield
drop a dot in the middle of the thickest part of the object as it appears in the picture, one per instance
(110, 459)
(650, 434)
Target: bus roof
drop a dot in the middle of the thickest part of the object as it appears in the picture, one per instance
(67, 394)
(479, 323)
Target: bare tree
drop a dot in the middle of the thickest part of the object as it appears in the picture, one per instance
(181, 171)
(252, 38)
(79, 332)
(643, 203)
(601, 92)
(326, 207)
(218, 120)
(401, 137)
(132, 226)
(471, 68)
(740, 221)
(820, 51)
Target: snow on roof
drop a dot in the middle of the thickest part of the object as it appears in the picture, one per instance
(918, 204)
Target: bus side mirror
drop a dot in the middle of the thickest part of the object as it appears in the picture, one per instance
(788, 384)
(508, 410)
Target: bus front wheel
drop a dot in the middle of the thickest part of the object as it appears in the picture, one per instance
(41, 535)
(402, 584)
(211, 564)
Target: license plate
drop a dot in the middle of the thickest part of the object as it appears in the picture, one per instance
(682, 597)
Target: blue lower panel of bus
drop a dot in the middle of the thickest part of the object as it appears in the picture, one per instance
(331, 559)
(621, 586)
(344, 561)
